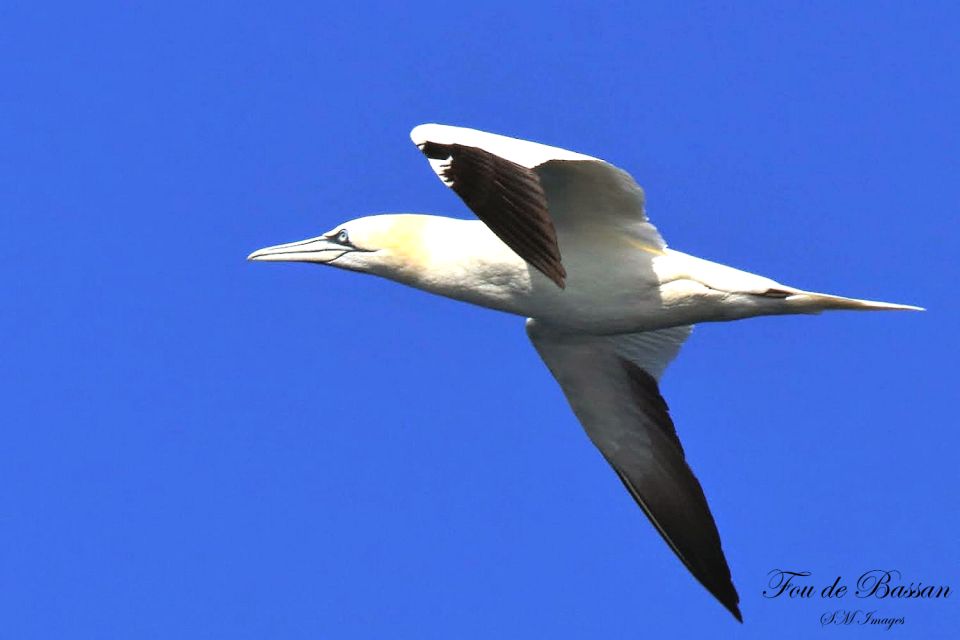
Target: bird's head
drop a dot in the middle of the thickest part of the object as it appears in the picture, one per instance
(385, 245)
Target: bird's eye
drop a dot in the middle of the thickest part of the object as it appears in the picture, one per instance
(342, 237)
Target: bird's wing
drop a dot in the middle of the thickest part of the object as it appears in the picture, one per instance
(611, 385)
(528, 193)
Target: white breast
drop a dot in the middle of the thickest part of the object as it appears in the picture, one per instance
(467, 262)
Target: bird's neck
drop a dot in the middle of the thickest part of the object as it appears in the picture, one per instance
(460, 259)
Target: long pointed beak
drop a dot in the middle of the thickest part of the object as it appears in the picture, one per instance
(320, 249)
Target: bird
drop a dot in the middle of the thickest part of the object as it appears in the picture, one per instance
(563, 239)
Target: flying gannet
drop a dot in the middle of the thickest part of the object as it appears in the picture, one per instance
(563, 240)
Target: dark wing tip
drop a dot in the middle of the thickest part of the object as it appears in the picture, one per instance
(434, 150)
(735, 610)
(730, 600)
(508, 198)
(557, 275)
(716, 580)
(671, 496)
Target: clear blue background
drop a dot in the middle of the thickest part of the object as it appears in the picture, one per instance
(199, 447)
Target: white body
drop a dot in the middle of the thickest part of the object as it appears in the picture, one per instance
(464, 260)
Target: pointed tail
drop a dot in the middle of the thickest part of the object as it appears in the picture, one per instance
(816, 302)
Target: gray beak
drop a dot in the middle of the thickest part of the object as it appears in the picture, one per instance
(321, 250)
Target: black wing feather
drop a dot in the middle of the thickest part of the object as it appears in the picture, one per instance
(508, 198)
(671, 496)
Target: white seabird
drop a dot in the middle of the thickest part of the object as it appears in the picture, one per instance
(563, 240)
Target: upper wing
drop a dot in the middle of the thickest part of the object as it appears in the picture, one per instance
(611, 385)
(528, 193)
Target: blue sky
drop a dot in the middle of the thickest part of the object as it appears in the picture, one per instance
(201, 447)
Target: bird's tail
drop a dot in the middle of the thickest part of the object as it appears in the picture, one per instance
(815, 302)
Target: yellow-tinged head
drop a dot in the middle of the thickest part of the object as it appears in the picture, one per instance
(390, 245)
